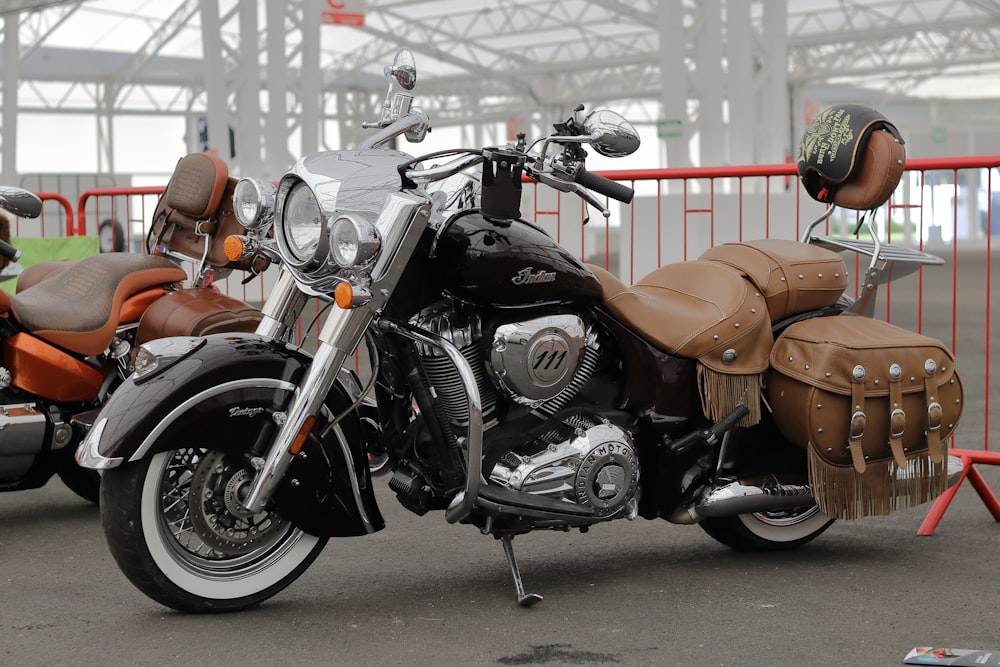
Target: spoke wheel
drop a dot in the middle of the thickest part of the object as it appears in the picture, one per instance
(177, 528)
(768, 531)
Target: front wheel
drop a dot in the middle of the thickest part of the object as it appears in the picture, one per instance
(176, 528)
(768, 531)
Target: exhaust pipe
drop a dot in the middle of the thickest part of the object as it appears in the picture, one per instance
(768, 493)
(763, 493)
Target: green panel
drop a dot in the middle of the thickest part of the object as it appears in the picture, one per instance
(34, 250)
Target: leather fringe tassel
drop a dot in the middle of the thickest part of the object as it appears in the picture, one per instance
(884, 487)
(722, 392)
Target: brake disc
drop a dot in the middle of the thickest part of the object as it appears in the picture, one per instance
(217, 514)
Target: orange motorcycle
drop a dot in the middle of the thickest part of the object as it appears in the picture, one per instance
(69, 332)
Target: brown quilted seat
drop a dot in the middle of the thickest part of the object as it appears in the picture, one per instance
(36, 273)
(78, 308)
(696, 309)
(794, 277)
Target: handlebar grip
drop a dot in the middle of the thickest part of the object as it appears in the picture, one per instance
(9, 252)
(604, 186)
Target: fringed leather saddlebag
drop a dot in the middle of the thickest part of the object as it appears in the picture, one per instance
(873, 403)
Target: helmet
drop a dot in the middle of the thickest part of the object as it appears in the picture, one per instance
(851, 156)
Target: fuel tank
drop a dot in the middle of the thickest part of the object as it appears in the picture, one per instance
(508, 263)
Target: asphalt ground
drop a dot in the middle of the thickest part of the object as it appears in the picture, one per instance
(425, 592)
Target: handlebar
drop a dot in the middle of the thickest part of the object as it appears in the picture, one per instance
(9, 252)
(604, 186)
(414, 125)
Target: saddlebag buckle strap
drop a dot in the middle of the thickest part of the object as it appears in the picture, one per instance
(897, 418)
(858, 422)
(935, 416)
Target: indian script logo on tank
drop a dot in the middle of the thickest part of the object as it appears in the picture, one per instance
(245, 412)
(526, 277)
(825, 136)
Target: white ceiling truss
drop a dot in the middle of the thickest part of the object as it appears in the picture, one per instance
(482, 60)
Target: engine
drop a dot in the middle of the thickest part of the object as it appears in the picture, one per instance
(540, 364)
(597, 467)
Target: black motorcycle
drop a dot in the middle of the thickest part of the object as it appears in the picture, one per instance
(517, 389)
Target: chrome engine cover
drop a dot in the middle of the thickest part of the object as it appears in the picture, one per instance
(597, 468)
(535, 360)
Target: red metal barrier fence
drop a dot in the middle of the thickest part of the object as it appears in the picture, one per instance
(60, 208)
(943, 206)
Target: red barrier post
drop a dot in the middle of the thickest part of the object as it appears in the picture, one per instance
(62, 201)
(969, 458)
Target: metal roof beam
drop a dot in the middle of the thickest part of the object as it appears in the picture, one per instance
(166, 32)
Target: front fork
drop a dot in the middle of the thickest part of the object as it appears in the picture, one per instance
(339, 337)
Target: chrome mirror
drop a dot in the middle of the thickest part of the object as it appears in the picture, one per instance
(397, 102)
(404, 69)
(610, 134)
(20, 202)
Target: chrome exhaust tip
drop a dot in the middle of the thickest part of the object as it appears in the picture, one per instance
(765, 493)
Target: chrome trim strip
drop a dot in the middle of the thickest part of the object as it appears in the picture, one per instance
(198, 398)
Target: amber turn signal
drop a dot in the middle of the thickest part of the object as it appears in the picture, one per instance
(343, 295)
(233, 247)
(347, 296)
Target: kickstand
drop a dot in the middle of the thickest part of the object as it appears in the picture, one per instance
(522, 599)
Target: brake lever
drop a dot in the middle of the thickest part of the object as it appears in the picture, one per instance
(573, 188)
(589, 197)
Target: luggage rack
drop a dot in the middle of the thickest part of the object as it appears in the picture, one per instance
(886, 252)
(888, 262)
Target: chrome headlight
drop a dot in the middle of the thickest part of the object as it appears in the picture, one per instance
(353, 241)
(303, 222)
(253, 202)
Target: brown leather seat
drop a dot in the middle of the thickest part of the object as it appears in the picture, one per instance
(794, 277)
(696, 309)
(36, 273)
(78, 309)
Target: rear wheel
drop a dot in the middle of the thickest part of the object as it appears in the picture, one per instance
(176, 526)
(768, 531)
